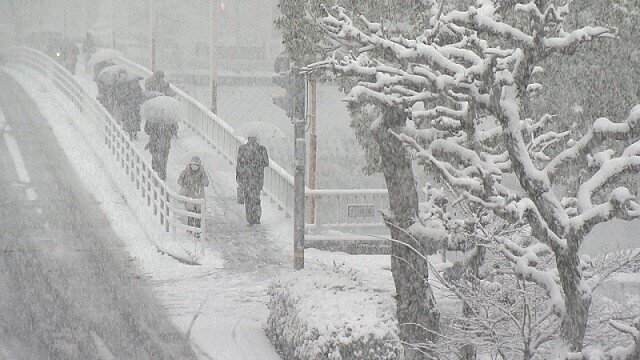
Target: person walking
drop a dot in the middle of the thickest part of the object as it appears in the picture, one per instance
(157, 83)
(160, 135)
(251, 161)
(193, 179)
(131, 97)
(69, 55)
(88, 47)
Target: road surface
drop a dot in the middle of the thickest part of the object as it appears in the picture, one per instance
(68, 289)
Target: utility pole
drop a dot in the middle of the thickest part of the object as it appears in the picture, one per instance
(213, 57)
(294, 103)
(299, 124)
(152, 34)
(113, 24)
(313, 148)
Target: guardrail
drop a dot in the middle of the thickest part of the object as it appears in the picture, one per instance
(342, 209)
(167, 207)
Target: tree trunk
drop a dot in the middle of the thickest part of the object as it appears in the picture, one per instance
(416, 312)
(576, 301)
(472, 265)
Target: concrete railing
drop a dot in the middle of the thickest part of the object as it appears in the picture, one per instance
(346, 210)
(166, 208)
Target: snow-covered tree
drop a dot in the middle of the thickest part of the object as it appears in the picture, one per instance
(304, 41)
(459, 96)
(600, 79)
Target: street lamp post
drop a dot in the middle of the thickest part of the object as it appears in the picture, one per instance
(213, 55)
(152, 34)
(113, 24)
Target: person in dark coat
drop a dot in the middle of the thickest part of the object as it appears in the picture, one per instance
(69, 55)
(128, 98)
(192, 180)
(252, 159)
(88, 46)
(160, 135)
(157, 83)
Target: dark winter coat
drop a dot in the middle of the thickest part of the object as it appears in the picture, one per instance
(155, 83)
(69, 55)
(193, 182)
(103, 93)
(160, 135)
(252, 159)
(128, 98)
(88, 45)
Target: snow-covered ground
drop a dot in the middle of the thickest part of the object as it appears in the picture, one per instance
(223, 303)
(228, 303)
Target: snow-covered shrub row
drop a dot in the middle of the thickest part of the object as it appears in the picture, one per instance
(327, 312)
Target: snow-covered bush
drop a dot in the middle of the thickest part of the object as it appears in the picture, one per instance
(326, 312)
(460, 96)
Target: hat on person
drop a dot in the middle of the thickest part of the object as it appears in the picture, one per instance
(195, 160)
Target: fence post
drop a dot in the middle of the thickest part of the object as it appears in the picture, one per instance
(174, 220)
(203, 227)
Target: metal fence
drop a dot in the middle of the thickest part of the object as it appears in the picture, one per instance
(166, 208)
(345, 210)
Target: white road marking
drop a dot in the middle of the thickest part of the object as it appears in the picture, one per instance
(103, 350)
(14, 151)
(2, 120)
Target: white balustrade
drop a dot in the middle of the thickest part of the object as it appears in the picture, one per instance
(332, 206)
(338, 209)
(165, 207)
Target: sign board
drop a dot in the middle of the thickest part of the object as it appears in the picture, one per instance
(360, 211)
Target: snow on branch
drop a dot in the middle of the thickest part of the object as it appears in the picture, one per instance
(467, 83)
(632, 351)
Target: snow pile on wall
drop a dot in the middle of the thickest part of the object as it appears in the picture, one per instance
(330, 312)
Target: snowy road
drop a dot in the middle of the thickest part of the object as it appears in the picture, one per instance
(67, 286)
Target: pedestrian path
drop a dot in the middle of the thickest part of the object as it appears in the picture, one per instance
(232, 301)
(222, 310)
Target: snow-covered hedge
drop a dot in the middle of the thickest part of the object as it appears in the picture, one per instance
(328, 312)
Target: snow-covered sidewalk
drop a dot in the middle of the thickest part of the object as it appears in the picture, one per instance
(228, 304)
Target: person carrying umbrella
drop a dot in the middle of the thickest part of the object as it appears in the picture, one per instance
(128, 97)
(106, 81)
(193, 179)
(251, 161)
(161, 115)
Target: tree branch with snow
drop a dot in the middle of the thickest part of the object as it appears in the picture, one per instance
(465, 87)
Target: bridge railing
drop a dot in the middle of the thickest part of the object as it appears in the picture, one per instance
(166, 208)
(335, 209)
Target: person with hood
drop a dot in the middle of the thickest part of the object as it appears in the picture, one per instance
(160, 135)
(251, 161)
(157, 83)
(193, 180)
